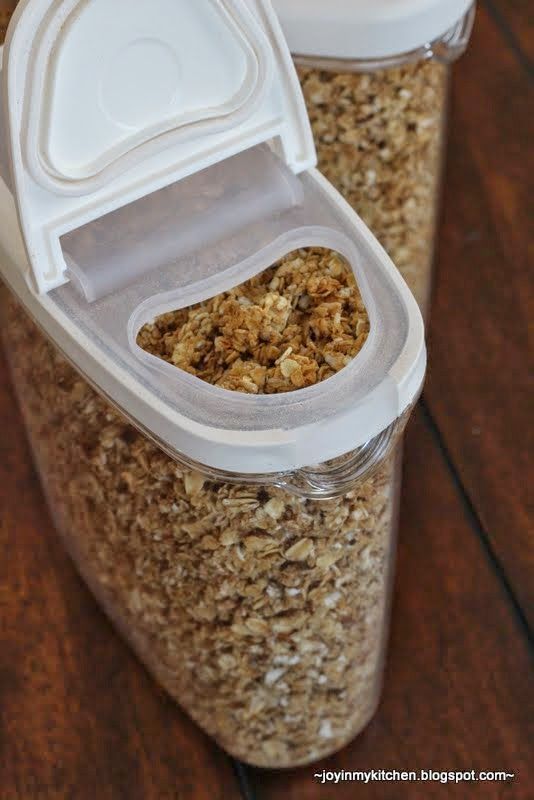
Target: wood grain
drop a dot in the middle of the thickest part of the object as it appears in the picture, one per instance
(80, 718)
(457, 693)
(6, 9)
(478, 387)
(518, 16)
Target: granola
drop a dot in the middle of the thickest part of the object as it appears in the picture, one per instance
(379, 137)
(262, 613)
(294, 325)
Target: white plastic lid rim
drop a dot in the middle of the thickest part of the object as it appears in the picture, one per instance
(369, 30)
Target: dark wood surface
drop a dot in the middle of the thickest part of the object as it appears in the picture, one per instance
(477, 389)
(79, 717)
(6, 9)
(518, 17)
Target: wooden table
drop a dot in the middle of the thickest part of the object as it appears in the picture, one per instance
(81, 719)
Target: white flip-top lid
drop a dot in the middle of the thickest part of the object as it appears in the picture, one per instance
(366, 29)
(175, 201)
(110, 100)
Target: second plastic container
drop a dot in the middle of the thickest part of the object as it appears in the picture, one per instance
(375, 78)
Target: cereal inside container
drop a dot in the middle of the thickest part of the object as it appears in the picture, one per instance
(294, 325)
(375, 82)
(262, 611)
(215, 361)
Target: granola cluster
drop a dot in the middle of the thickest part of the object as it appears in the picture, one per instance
(262, 613)
(379, 140)
(292, 326)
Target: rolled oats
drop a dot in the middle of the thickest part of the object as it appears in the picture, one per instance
(292, 326)
(379, 140)
(262, 613)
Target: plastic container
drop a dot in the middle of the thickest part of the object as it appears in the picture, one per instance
(243, 544)
(375, 77)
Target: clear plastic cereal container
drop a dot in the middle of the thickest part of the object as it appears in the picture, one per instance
(214, 357)
(375, 77)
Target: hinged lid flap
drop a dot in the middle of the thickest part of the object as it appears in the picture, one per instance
(111, 100)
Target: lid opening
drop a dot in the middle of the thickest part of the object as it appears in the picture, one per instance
(294, 325)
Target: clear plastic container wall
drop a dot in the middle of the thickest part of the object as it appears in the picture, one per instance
(379, 129)
(263, 614)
